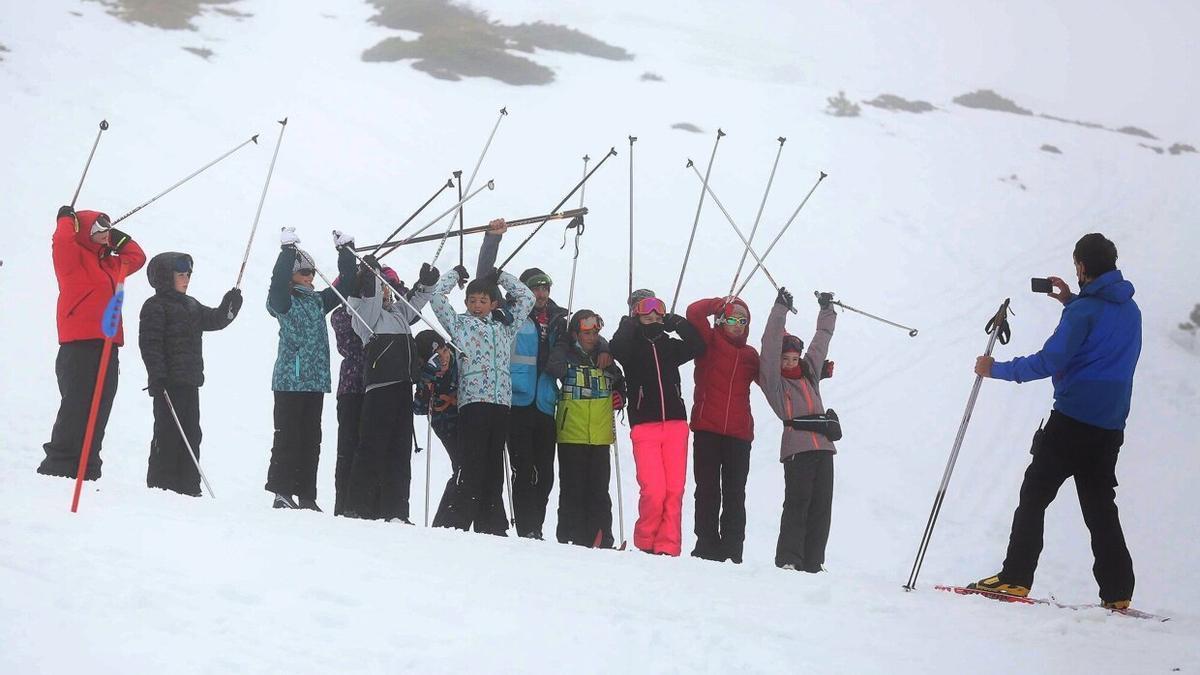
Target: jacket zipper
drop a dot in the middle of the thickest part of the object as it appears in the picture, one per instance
(80, 301)
(729, 399)
(808, 399)
(495, 373)
(662, 400)
(377, 358)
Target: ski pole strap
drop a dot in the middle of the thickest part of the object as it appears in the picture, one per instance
(577, 225)
(999, 323)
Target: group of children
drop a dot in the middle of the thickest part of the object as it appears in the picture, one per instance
(517, 379)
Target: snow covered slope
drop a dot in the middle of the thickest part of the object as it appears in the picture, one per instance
(919, 220)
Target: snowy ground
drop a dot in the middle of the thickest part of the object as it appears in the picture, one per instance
(914, 223)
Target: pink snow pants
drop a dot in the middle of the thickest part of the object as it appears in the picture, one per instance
(660, 452)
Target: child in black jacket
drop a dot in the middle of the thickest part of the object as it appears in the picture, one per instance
(172, 323)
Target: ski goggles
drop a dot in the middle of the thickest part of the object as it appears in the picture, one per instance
(183, 265)
(650, 306)
(306, 271)
(591, 324)
(539, 280)
(734, 321)
(102, 224)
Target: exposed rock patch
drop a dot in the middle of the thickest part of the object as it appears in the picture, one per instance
(168, 14)
(900, 104)
(986, 99)
(687, 126)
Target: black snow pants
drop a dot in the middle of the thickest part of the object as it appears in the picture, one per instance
(483, 428)
(76, 368)
(721, 466)
(531, 440)
(297, 444)
(170, 466)
(807, 508)
(584, 504)
(381, 477)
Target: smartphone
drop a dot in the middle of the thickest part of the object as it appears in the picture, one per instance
(1038, 285)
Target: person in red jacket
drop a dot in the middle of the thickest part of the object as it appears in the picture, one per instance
(88, 254)
(722, 425)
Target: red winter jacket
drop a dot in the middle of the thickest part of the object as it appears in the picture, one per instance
(87, 277)
(723, 375)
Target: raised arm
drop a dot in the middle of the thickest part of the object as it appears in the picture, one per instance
(692, 345)
(441, 304)
(770, 376)
(487, 254)
(216, 318)
(818, 347)
(346, 284)
(1055, 354)
(279, 295)
(698, 314)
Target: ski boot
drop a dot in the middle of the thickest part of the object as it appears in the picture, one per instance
(284, 502)
(993, 584)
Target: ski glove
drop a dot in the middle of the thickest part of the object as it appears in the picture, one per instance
(461, 272)
(341, 239)
(672, 322)
(784, 298)
(66, 211)
(287, 236)
(825, 300)
(827, 370)
(502, 315)
(117, 240)
(233, 300)
(429, 275)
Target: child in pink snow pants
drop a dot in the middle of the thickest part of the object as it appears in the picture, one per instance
(651, 358)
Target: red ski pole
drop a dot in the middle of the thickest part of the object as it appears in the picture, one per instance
(109, 325)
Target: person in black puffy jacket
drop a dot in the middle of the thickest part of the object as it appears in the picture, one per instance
(169, 337)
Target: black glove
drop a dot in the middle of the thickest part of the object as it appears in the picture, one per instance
(429, 275)
(825, 299)
(827, 370)
(462, 273)
(502, 315)
(233, 300)
(371, 261)
(66, 211)
(784, 298)
(117, 240)
(672, 322)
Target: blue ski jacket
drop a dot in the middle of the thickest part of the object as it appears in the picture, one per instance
(1092, 355)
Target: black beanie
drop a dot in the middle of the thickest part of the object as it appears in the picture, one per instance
(427, 341)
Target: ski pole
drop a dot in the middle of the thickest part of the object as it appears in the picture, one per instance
(997, 328)
(470, 183)
(197, 172)
(620, 499)
(912, 332)
(109, 325)
(400, 296)
(388, 239)
(632, 140)
(491, 185)
(696, 221)
(428, 452)
(508, 475)
(758, 217)
(611, 152)
(261, 199)
(781, 231)
(578, 225)
(461, 239)
(570, 213)
(738, 230)
(88, 164)
(188, 444)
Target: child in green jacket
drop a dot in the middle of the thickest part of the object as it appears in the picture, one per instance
(592, 388)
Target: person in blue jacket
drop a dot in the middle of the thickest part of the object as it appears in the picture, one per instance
(1090, 358)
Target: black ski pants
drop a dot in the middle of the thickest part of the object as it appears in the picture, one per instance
(170, 466)
(531, 440)
(721, 465)
(349, 412)
(76, 369)
(297, 443)
(444, 517)
(584, 504)
(483, 428)
(1089, 454)
(807, 508)
(381, 476)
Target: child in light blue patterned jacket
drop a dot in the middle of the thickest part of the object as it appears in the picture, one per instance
(484, 390)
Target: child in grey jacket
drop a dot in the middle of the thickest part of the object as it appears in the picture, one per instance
(790, 378)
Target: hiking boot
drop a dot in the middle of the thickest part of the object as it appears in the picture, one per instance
(1116, 604)
(284, 502)
(308, 505)
(995, 585)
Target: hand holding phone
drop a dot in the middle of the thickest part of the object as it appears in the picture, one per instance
(1040, 285)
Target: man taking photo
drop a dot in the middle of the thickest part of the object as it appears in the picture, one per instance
(1091, 358)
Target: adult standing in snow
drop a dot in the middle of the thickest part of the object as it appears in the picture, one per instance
(531, 434)
(657, 416)
(170, 330)
(790, 378)
(300, 379)
(88, 254)
(1091, 359)
(722, 425)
